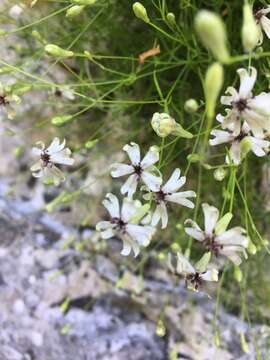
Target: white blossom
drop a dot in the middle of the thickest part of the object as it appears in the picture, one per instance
(255, 110)
(193, 275)
(65, 92)
(125, 224)
(138, 169)
(217, 239)
(263, 22)
(7, 101)
(258, 146)
(168, 193)
(56, 153)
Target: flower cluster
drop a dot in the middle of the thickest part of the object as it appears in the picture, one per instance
(141, 170)
(246, 121)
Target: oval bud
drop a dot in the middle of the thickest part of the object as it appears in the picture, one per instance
(91, 143)
(220, 174)
(55, 50)
(212, 87)
(140, 12)
(193, 158)
(252, 249)
(171, 18)
(211, 30)
(250, 30)
(163, 124)
(245, 147)
(237, 273)
(61, 120)
(160, 329)
(191, 106)
(74, 11)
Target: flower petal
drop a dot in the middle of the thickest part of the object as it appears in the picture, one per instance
(265, 23)
(194, 230)
(211, 215)
(153, 182)
(111, 203)
(247, 81)
(150, 158)
(118, 170)
(180, 198)
(130, 186)
(141, 234)
(133, 151)
(175, 182)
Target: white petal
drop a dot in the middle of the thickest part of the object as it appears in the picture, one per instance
(156, 216)
(141, 234)
(56, 146)
(258, 146)
(111, 203)
(232, 252)
(210, 275)
(58, 158)
(265, 23)
(133, 151)
(128, 209)
(118, 170)
(36, 167)
(103, 225)
(228, 100)
(107, 234)
(130, 185)
(153, 182)
(128, 245)
(234, 236)
(221, 137)
(211, 215)
(150, 158)
(175, 182)
(260, 104)
(36, 151)
(54, 173)
(160, 213)
(247, 81)
(235, 153)
(194, 231)
(180, 198)
(183, 265)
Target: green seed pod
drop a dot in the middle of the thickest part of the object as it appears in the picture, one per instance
(252, 249)
(55, 50)
(140, 12)
(211, 30)
(250, 30)
(74, 11)
(191, 106)
(193, 158)
(61, 120)
(212, 87)
(91, 143)
(237, 273)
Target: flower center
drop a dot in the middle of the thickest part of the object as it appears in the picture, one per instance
(119, 224)
(258, 15)
(46, 159)
(138, 169)
(160, 196)
(3, 100)
(241, 136)
(241, 105)
(211, 245)
(195, 280)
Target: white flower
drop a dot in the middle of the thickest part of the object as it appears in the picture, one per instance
(16, 11)
(263, 22)
(7, 101)
(231, 243)
(258, 146)
(56, 153)
(138, 169)
(124, 223)
(194, 275)
(65, 92)
(255, 110)
(169, 193)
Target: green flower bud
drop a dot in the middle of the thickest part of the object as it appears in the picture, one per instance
(61, 120)
(84, 2)
(175, 247)
(55, 50)
(212, 86)
(193, 158)
(37, 36)
(140, 12)
(74, 11)
(252, 249)
(191, 106)
(91, 143)
(250, 30)
(163, 124)
(171, 18)
(212, 33)
(223, 223)
(237, 273)
(220, 174)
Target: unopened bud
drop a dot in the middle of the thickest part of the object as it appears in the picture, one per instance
(37, 36)
(212, 32)
(163, 124)
(74, 11)
(252, 249)
(160, 329)
(91, 143)
(220, 174)
(245, 147)
(61, 120)
(191, 106)
(250, 30)
(140, 12)
(237, 273)
(171, 18)
(212, 86)
(55, 50)
(193, 158)
(84, 2)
